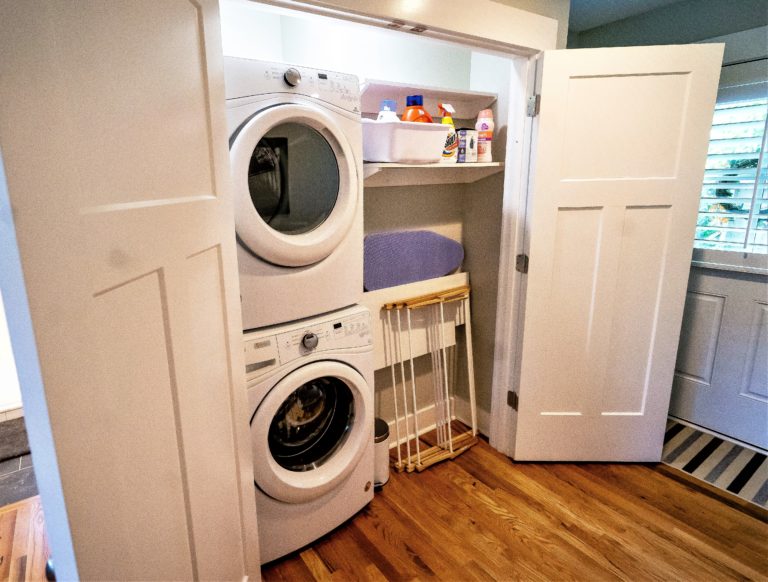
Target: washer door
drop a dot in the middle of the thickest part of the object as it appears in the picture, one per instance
(295, 184)
(310, 431)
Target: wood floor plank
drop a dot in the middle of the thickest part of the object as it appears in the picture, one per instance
(637, 543)
(291, 570)
(37, 550)
(316, 566)
(734, 529)
(484, 517)
(19, 571)
(410, 532)
(7, 527)
(23, 543)
(711, 555)
(552, 544)
(511, 545)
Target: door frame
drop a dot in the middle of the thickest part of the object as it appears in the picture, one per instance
(510, 305)
(24, 349)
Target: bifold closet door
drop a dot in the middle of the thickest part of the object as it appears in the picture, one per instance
(621, 144)
(113, 137)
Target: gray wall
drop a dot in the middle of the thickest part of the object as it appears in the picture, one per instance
(679, 23)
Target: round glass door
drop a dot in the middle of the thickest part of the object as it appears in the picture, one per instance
(310, 431)
(311, 424)
(293, 178)
(296, 187)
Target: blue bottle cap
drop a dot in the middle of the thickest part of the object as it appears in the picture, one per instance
(414, 100)
(388, 105)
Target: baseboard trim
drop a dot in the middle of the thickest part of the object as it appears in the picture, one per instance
(463, 413)
(426, 420)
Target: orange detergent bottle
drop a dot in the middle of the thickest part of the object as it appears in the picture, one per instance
(414, 110)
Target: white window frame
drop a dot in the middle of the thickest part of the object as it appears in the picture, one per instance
(745, 257)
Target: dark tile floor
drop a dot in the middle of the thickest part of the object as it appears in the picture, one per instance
(17, 480)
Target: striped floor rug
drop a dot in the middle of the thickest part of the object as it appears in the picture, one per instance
(717, 461)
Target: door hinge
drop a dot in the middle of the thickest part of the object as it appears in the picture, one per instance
(521, 263)
(512, 400)
(534, 101)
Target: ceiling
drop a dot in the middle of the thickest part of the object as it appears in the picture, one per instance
(587, 14)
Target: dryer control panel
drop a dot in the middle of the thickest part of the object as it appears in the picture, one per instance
(265, 351)
(247, 77)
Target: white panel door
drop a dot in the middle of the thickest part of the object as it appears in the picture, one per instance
(622, 139)
(113, 136)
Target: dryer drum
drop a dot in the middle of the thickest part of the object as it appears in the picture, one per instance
(311, 424)
(293, 198)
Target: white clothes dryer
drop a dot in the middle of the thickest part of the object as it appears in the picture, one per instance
(310, 391)
(296, 160)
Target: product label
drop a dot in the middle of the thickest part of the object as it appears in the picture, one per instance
(467, 141)
(484, 146)
(451, 145)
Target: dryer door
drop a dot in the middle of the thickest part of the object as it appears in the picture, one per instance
(295, 184)
(310, 431)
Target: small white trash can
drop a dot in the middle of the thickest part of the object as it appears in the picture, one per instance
(381, 452)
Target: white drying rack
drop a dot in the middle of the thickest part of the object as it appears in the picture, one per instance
(450, 442)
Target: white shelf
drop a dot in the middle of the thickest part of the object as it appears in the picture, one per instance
(466, 103)
(380, 175)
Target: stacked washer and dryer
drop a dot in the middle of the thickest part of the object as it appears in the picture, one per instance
(296, 158)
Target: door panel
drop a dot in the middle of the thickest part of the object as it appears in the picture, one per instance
(114, 141)
(702, 320)
(754, 383)
(721, 380)
(622, 138)
(620, 145)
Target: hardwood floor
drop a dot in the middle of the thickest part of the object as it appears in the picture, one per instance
(23, 544)
(483, 517)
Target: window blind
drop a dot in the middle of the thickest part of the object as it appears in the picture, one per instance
(733, 212)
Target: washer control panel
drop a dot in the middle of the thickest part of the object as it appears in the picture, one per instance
(246, 77)
(266, 351)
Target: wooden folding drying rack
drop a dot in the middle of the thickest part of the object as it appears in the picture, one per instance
(450, 443)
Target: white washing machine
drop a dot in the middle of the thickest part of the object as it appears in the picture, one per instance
(310, 391)
(296, 160)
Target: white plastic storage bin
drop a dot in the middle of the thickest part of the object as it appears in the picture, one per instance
(403, 142)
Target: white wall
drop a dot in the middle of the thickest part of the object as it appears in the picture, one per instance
(10, 393)
(254, 31)
(250, 33)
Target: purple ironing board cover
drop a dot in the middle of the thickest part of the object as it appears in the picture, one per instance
(397, 258)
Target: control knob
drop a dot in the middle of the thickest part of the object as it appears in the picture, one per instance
(292, 77)
(310, 340)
